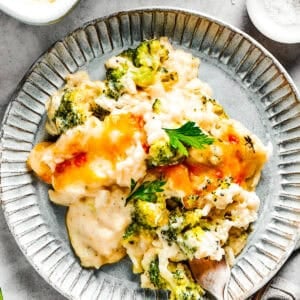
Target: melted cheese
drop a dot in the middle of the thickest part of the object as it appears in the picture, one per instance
(108, 148)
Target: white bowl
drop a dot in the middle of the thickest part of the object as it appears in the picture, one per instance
(279, 20)
(37, 12)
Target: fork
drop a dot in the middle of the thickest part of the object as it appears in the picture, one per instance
(212, 275)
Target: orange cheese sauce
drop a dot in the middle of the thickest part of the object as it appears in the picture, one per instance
(239, 162)
(179, 178)
(35, 161)
(117, 136)
(83, 149)
(111, 145)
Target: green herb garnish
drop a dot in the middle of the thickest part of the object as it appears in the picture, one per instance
(146, 191)
(1, 296)
(188, 135)
(133, 184)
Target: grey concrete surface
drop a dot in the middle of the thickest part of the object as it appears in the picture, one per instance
(21, 45)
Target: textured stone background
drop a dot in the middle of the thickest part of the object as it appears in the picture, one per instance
(21, 45)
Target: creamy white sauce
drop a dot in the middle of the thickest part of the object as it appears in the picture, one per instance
(96, 227)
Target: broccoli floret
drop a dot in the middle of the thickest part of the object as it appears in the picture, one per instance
(129, 54)
(154, 274)
(116, 74)
(162, 154)
(148, 58)
(144, 76)
(175, 226)
(135, 232)
(180, 221)
(183, 240)
(139, 65)
(137, 239)
(183, 219)
(149, 214)
(185, 287)
(70, 112)
(114, 81)
(181, 284)
(68, 115)
(131, 231)
(143, 55)
(150, 54)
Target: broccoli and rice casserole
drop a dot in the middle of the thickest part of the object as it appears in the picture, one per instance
(151, 166)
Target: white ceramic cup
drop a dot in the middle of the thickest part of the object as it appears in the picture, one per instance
(37, 12)
(279, 20)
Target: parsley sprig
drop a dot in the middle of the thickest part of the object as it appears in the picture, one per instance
(147, 191)
(1, 296)
(187, 135)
